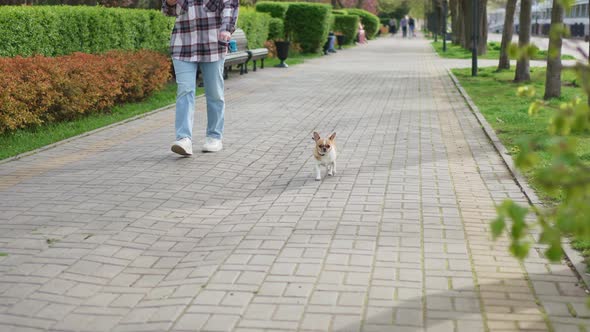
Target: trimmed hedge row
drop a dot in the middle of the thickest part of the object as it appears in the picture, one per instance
(37, 90)
(369, 21)
(309, 24)
(276, 29)
(275, 9)
(306, 24)
(347, 25)
(255, 26)
(61, 30)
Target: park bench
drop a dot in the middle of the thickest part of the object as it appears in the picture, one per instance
(241, 56)
(258, 54)
(237, 58)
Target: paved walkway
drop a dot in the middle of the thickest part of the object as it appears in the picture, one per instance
(112, 232)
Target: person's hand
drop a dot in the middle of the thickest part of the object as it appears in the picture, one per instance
(224, 36)
(171, 3)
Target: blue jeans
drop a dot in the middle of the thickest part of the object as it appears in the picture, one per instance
(186, 76)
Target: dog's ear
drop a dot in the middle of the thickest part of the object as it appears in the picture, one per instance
(332, 137)
(316, 136)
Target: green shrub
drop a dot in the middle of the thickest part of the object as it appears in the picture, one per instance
(255, 25)
(275, 9)
(339, 12)
(39, 89)
(347, 25)
(276, 29)
(309, 24)
(61, 30)
(369, 21)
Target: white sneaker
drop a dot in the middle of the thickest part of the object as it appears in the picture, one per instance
(184, 147)
(212, 145)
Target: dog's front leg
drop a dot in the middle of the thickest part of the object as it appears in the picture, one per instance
(333, 168)
(318, 172)
(330, 168)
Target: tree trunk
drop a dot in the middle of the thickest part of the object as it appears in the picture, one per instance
(336, 4)
(460, 23)
(482, 38)
(524, 39)
(439, 19)
(553, 78)
(455, 20)
(466, 7)
(507, 35)
(466, 23)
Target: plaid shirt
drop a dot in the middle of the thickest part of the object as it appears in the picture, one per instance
(198, 23)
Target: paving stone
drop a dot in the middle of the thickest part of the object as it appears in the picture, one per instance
(219, 322)
(316, 322)
(191, 322)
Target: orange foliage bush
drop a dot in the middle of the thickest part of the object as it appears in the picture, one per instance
(40, 89)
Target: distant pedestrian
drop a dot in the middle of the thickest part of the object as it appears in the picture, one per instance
(404, 24)
(392, 26)
(362, 37)
(412, 25)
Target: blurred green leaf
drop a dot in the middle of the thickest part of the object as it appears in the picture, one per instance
(526, 91)
(559, 125)
(520, 249)
(535, 107)
(531, 50)
(557, 30)
(514, 51)
(517, 214)
(526, 157)
(567, 4)
(498, 226)
(554, 253)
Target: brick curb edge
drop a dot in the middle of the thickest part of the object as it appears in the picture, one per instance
(88, 133)
(573, 257)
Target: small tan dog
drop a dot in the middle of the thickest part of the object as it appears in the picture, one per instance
(325, 154)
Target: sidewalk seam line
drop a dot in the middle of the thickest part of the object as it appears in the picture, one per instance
(88, 133)
(474, 273)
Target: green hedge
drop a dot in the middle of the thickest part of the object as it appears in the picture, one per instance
(255, 25)
(309, 24)
(275, 9)
(61, 30)
(276, 29)
(369, 21)
(347, 25)
(339, 12)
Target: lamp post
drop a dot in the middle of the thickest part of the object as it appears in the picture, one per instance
(474, 34)
(444, 25)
